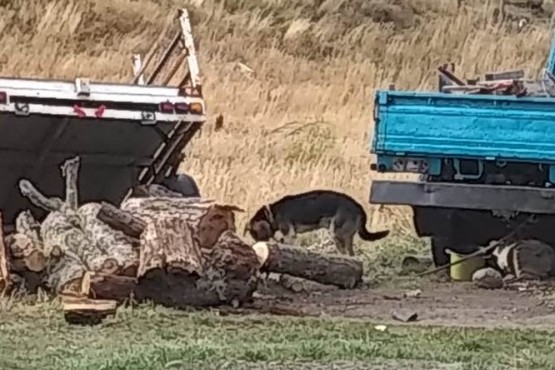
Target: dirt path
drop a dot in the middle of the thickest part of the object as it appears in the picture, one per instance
(443, 304)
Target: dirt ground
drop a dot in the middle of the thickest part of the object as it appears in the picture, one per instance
(530, 305)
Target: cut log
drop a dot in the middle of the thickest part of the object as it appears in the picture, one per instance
(5, 282)
(113, 252)
(98, 249)
(70, 170)
(29, 191)
(170, 264)
(222, 275)
(168, 244)
(119, 219)
(105, 286)
(341, 271)
(231, 268)
(86, 311)
(26, 261)
(25, 255)
(208, 218)
(26, 224)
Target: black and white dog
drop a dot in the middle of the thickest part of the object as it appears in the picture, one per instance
(313, 210)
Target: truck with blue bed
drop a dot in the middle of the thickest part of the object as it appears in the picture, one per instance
(483, 152)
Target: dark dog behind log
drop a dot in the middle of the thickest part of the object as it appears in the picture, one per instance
(317, 209)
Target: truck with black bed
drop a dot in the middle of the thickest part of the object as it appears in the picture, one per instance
(484, 153)
(126, 135)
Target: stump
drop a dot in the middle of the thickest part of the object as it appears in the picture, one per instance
(344, 272)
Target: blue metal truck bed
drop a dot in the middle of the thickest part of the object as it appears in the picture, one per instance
(489, 127)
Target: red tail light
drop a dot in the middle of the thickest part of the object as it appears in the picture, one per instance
(166, 107)
(182, 108)
(3, 97)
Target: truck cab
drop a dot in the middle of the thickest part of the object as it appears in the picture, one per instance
(125, 134)
(483, 154)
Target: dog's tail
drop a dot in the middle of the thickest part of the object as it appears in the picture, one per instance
(367, 235)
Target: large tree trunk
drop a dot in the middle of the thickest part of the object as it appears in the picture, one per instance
(342, 271)
(119, 219)
(208, 218)
(189, 252)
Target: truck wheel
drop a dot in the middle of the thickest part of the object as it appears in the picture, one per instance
(182, 184)
(439, 256)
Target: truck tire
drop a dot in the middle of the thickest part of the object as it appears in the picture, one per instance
(439, 256)
(183, 184)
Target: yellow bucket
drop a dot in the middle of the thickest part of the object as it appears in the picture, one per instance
(463, 271)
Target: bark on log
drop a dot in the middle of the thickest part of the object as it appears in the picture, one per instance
(95, 247)
(113, 252)
(26, 224)
(119, 219)
(70, 170)
(25, 254)
(106, 286)
(342, 271)
(226, 274)
(4, 271)
(29, 191)
(208, 218)
(168, 244)
(65, 245)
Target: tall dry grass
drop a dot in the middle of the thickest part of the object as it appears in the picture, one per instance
(304, 118)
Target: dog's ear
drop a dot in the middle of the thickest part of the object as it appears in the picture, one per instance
(269, 214)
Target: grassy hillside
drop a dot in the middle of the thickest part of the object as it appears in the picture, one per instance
(303, 119)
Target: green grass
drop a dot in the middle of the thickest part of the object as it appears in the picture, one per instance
(36, 337)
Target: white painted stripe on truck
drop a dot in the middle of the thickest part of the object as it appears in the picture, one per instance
(101, 97)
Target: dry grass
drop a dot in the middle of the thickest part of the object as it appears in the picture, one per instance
(303, 120)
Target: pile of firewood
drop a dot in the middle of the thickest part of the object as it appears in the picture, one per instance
(156, 246)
